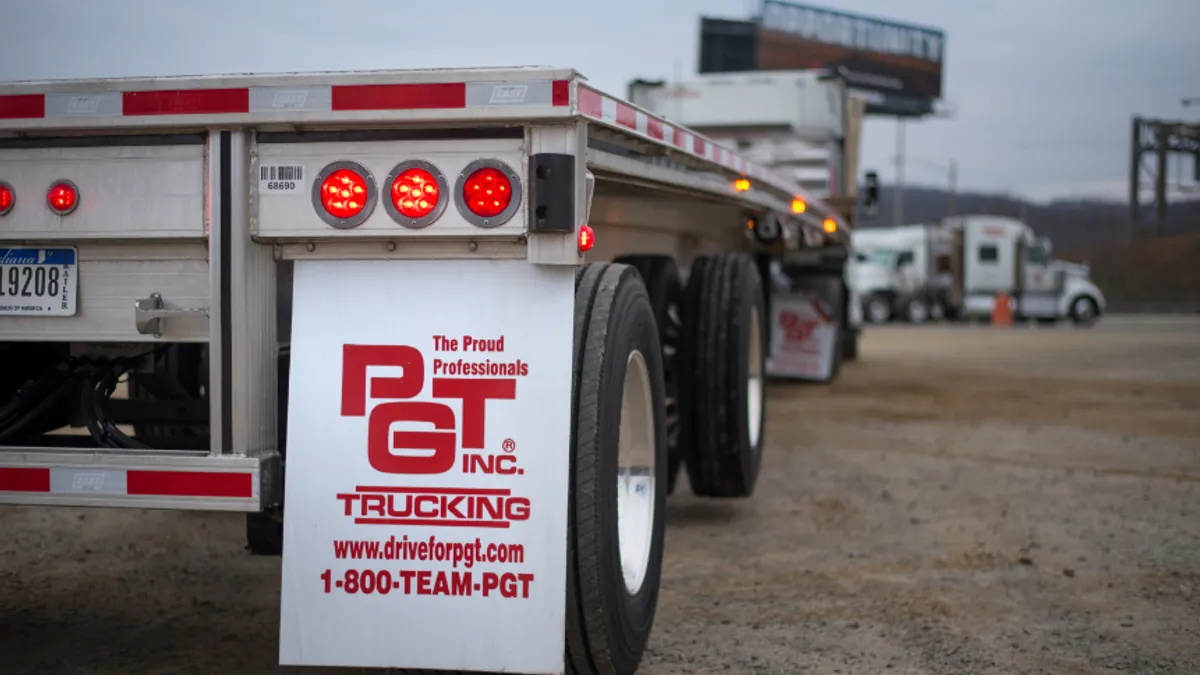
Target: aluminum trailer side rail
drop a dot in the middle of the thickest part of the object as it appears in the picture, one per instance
(415, 99)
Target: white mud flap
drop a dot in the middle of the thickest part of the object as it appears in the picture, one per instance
(427, 465)
(804, 336)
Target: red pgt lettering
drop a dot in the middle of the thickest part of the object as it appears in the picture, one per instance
(440, 445)
(795, 328)
(507, 585)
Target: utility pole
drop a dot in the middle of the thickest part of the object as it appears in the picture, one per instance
(953, 188)
(898, 204)
(678, 90)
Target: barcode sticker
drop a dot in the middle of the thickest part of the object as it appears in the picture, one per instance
(280, 178)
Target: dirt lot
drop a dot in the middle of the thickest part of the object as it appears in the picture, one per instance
(963, 501)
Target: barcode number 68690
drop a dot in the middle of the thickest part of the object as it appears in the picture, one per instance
(281, 185)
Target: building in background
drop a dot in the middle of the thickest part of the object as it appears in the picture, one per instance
(894, 69)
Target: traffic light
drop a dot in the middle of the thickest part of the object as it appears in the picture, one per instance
(871, 190)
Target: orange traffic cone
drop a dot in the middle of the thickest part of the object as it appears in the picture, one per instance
(1002, 310)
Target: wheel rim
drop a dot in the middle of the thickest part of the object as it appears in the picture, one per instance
(916, 312)
(1083, 309)
(878, 311)
(754, 383)
(635, 473)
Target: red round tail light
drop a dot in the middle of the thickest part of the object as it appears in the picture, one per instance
(63, 197)
(417, 193)
(487, 192)
(344, 194)
(7, 198)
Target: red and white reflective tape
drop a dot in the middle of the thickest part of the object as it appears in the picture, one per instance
(85, 482)
(599, 106)
(315, 98)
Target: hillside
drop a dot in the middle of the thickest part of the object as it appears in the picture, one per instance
(1070, 224)
(1152, 274)
(1137, 271)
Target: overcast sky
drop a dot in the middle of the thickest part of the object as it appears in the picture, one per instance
(1042, 91)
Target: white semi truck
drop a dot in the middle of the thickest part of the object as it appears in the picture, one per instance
(446, 337)
(955, 268)
(904, 281)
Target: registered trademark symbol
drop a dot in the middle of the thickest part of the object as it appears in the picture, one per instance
(509, 445)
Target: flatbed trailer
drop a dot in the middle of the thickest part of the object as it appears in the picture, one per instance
(479, 320)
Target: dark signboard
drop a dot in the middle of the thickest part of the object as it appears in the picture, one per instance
(892, 58)
(728, 46)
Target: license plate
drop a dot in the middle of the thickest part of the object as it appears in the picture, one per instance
(38, 281)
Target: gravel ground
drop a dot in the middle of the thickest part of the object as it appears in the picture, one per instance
(963, 501)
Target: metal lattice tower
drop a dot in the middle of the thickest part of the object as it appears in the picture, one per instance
(1159, 138)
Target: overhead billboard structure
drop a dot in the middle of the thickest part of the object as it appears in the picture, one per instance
(898, 66)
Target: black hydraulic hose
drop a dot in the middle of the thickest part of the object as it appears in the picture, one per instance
(87, 406)
(40, 408)
(107, 385)
(94, 381)
(31, 395)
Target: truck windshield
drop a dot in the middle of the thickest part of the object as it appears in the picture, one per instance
(1036, 254)
(880, 256)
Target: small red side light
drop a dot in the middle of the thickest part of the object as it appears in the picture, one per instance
(587, 238)
(344, 193)
(415, 193)
(7, 199)
(487, 192)
(63, 197)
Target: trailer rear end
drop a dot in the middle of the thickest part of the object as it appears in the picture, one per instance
(479, 320)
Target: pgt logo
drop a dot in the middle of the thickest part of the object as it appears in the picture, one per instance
(795, 327)
(290, 99)
(415, 452)
(509, 94)
(85, 481)
(83, 105)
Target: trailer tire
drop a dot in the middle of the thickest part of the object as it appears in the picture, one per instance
(850, 345)
(722, 376)
(608, 627)
(661, 276)
(264, 534)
